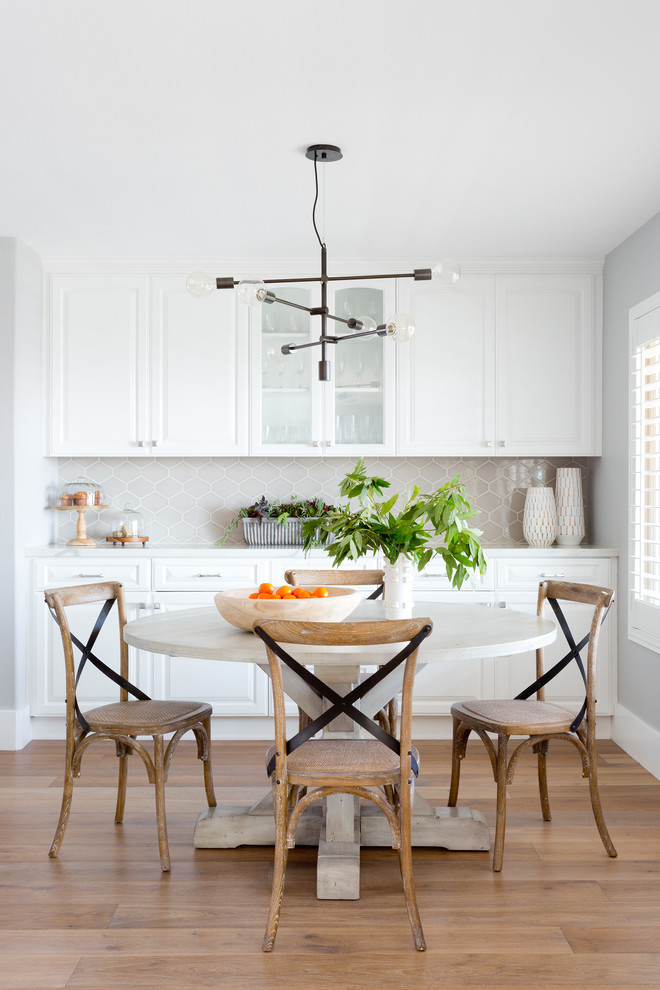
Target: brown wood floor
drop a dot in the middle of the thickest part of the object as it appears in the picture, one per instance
(561, 914)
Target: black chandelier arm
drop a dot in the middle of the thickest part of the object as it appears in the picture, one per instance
(380, 331)
(419, 274)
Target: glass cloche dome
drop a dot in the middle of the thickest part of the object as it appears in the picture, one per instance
(127, 525)
(81, 492)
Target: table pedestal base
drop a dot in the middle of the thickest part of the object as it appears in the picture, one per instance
(338, 870)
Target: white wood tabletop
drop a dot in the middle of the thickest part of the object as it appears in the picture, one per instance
(460, 632)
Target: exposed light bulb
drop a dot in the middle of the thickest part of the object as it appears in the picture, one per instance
(400, 327)
(200, 284)
(251, 291)
(446, 271)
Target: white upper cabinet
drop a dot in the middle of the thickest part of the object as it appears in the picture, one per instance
(547, 362)
(139, 368)
(99, 365)
(446, 371)
(198, 371)
(294, 414)
(500, 365)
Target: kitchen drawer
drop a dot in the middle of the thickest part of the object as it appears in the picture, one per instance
(134, 573)
(195, 574)
(524, 574)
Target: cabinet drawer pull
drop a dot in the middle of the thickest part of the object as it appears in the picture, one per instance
(208, 575)
(90, 575)
(142, 443)
(557, 575)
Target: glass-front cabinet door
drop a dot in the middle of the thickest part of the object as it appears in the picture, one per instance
(296, 415)
(359, 404)
(287, 414)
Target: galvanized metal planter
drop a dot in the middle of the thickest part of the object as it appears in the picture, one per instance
(269, 533)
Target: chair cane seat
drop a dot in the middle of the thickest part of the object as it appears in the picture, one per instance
(516, 717)
(341, 758)
(144, 717)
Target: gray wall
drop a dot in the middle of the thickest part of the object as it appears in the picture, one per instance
(25, 474)
(631, 274)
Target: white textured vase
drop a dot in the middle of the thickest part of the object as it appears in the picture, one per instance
(570, 507)
(540, 517)
(397, 595)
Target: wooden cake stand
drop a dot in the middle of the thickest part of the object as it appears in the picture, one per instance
(81, 538)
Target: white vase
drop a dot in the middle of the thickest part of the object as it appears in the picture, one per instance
(540, 517)
(397, 594)
(570, 507)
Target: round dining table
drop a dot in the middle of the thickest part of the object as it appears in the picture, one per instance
(460, 632)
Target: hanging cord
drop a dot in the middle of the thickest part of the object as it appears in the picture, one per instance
(316, 199)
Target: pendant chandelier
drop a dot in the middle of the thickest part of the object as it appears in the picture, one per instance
(399, 327)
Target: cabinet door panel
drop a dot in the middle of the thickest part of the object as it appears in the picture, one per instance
(231, 688)
(567, 688)
(199, 372)
(99, 372)
(47, 675)
(439, 685)
(545, 366)
(446, 372)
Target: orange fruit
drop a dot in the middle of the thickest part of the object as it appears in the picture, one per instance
(288, 598)
(266, 595)
(266, 588)
(298, 592)
(285, 589)
(254, 595)
(304, 593)
(321, 593)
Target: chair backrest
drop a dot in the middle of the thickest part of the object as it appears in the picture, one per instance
(58, 600)
(552, 593)
(334, 576)
(407, 634)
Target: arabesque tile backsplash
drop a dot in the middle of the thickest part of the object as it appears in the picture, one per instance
(192, 501)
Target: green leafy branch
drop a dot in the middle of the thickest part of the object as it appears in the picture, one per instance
(365, 525)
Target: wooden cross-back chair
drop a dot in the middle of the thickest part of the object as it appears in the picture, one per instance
(380, 768)
(123, 721)
(334, 576)
(538, 720)
(354, 578)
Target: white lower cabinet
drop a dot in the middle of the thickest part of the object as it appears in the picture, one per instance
(241, 690)
(231, 688)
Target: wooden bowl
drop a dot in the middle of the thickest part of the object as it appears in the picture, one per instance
(237, 608)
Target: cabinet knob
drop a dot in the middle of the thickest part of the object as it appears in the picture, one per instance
(142, 443)
(315, 443)
(329, 443)
(488, 443)
(502, 443)
(155, 443)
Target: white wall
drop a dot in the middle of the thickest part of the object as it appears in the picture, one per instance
(26, 476)
(631, 274)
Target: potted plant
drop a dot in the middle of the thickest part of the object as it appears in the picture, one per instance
(272, 523)
(425, 526)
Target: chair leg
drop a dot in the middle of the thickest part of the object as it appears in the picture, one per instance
(405, 860)
(161, 821)
(542, 755)
(279, 865)
(460, 735)
(121, 788)
(500, 825)
(596, 805)
(65, 810)
(208, 775)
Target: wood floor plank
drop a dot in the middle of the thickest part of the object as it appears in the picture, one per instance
(102, 916)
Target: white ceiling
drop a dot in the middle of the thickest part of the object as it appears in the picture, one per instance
(176, 128)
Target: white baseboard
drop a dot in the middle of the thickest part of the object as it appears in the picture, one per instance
(15, 728)
(639, 740)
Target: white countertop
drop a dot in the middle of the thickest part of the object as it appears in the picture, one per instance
(241, 550)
